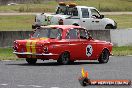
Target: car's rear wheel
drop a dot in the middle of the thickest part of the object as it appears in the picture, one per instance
(64, 58)
(104, 57)
(31, 60)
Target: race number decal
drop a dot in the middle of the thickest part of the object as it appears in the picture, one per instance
(89, 50)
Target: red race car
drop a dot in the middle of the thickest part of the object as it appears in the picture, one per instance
(64, 43)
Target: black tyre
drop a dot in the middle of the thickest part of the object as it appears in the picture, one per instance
(75, 24)
(31, 61)
(109, 27)
(104, 57)
(64, 58)
(59, 61)
(35, 26)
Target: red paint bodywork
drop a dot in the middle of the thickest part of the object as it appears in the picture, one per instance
(76, 47)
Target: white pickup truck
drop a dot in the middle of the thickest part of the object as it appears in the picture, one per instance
(71, 14)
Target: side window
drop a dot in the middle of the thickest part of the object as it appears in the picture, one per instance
(55, 33)
(85, 13)
(83, 34)
(72, 34)
(61, 10)
(75, 12)
(95, 13)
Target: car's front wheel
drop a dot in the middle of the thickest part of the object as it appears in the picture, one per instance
(31, 60)
(104, 57)
(64, 58)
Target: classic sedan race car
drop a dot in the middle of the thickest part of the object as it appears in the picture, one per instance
(64, 43)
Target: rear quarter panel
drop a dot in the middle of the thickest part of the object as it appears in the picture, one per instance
(59, 47)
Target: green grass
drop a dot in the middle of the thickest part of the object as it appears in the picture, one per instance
(21, 22)
(24, 22)
(47, 7)
(102, 5)
(122, 51)
(123, 21)
(7, 53)
(108, 5)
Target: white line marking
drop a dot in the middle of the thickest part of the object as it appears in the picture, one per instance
(54, 87)
(20, 85)
(6, 60)
(4, 84)
(35, 86)
(129, 55)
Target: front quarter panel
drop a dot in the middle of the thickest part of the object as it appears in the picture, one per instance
(103, 45)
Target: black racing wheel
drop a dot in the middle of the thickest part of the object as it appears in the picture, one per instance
(64, 58)
(31, 60)
(104, 57)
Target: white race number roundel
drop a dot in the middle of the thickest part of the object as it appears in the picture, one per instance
(89, 50)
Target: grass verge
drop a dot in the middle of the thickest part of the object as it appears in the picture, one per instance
(102, 5)
(123, 21)
(14, 22)
(7, 53)
(24, 22)
(122, 51)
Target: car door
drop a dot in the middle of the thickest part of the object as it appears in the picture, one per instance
(85, 19)
(74, 44)
(96, 20)
(88, 46)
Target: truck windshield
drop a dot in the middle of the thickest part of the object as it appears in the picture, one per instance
(53, 33)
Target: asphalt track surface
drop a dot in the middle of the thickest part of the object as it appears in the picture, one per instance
(49, 74)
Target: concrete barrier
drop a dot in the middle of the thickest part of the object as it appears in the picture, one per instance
(117, 37)
(101, 34)
(121, 37)
(7, 37)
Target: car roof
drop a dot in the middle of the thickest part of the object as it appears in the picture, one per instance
(85, 7)
(61, 26)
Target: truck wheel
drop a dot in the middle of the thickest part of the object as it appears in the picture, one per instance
(35, 26)
(64, 58)
(31, 60)
(75, 24)
(109, 26)
(104, 57)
